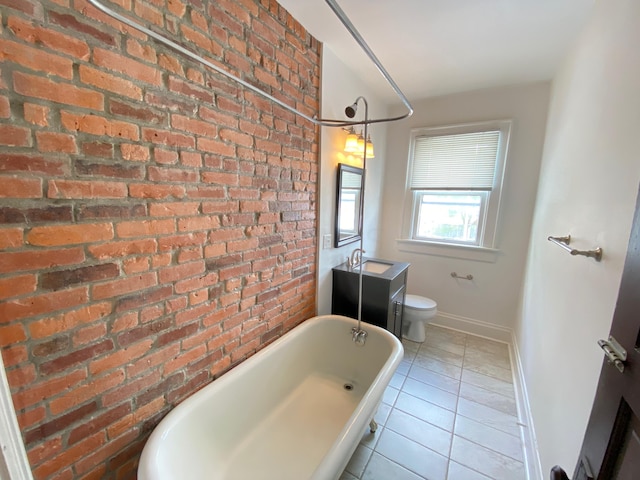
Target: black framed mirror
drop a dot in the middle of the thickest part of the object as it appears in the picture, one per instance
(349, 194)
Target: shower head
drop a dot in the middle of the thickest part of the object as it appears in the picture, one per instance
(351, 110)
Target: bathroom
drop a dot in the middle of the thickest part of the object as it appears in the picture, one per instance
(576, 173)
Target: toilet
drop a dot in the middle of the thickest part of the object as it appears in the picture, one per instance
(417, 313)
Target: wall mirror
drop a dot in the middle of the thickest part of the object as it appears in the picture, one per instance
(349, 195)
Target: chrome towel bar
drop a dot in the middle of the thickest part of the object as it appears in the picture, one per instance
(462, 277)
(563, 242)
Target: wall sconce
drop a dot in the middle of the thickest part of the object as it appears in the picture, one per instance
(355, 143)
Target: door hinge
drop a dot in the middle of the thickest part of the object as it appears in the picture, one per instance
(616, 354)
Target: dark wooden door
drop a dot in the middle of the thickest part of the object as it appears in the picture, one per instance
(611, 447)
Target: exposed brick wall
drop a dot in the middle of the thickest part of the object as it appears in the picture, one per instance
(157, 223)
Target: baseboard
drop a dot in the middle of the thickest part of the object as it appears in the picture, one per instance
(533, 466)
(472, 326)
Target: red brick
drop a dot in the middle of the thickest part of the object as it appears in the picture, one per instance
(96, 125)
(135, 153)
(143, 190)
(70, 234)
(37, 392)
(36, 260)
(171, 274)
(82, 393)
(56, 142)
(36, 59)
(145, 52)
(17, 286)
(166, 174)
(15, 136)
(66, 93)
(10, 334)
(123, 286)
(86, 189)
(169, 138)
(145, 228)
(39, 304)
(10, 238)
(174, 209)
(50, 326)
(191, 125)
(111, 83)
(127, 66)
(36, 114)
(56, 41)
(15, 187)
(123, 248)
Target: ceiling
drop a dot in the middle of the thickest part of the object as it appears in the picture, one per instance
(436, 47)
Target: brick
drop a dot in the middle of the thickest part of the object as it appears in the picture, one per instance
(135, 153)
(86, 189)
(99, 422)
(33, 164)
(56, 142)
(63, 322)
(37, 392)
(75, 25)
(145, 52)
(58, 235)
(111, 83)
(36, 114)
(145, 228)
(171, 274)
(123, 286)
(54, 426)
(169, 138)
(12, 262)
(13, 333)
(111, 169)
(123, 248)
(81, 393)
(15, 136)
(17, 285)
(97, 125)
(127, 66)
(173, 209)
(98, 149)
(64, 278)
(197, 127)
(40, 304)
(10, 238)
(179, 241)
(36, 59)
(145, 298)
(148, 330)
(166, 174)
(15, 187)
(142, 190)
(137, 112)
(65, 93)
(56, 41)
(130, 210)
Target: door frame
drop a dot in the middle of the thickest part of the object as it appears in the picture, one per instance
(13, 456)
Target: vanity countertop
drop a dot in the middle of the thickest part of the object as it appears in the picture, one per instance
(395, 268)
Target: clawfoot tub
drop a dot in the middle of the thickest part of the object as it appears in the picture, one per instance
(296, 410)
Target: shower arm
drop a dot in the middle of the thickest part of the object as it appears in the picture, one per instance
(326, 122)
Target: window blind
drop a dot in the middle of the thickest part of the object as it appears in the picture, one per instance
(464, 161)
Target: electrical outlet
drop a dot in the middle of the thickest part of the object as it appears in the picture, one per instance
(326, 241)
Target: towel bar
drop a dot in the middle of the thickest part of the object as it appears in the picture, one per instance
(563, 242)
(462, 277)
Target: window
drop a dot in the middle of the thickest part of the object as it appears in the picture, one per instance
(454, 183)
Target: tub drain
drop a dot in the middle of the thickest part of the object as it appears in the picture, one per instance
(348, 386)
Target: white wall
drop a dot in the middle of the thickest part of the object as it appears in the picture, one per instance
(492, 297)
(340, 87)
(588, 186)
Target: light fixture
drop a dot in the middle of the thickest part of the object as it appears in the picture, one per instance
(355, 143)
(351, 143)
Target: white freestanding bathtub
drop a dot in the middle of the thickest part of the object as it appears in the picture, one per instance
(296, 410)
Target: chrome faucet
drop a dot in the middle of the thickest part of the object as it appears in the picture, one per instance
(356, 258)
(358, 336)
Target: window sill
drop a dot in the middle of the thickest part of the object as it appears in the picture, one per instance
(466, 252)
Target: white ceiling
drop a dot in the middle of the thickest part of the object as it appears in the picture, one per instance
(435, 47)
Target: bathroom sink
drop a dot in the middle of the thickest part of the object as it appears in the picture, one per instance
(375, 267)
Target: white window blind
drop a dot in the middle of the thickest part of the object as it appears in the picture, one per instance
(464, 161)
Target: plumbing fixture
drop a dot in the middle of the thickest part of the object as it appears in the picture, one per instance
(356, 258)
(358, 335)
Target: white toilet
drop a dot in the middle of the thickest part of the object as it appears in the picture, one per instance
(417, 313)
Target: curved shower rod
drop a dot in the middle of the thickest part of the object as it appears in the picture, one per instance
(326, 122)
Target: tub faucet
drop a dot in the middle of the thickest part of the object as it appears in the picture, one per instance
(358, 336)
(356, 257)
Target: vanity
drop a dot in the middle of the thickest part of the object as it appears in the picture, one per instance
(384, 285)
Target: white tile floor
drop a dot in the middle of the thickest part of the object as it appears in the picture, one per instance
(448, 414)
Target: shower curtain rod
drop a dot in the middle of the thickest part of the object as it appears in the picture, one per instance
(326, 122)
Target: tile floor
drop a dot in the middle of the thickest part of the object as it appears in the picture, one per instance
(448, 414)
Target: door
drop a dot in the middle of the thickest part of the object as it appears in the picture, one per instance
(611, 447)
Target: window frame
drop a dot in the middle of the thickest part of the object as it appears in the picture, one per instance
(487, 238)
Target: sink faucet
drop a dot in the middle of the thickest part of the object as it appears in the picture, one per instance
(356, 258)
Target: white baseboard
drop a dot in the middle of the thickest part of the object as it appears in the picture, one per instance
(472, 326)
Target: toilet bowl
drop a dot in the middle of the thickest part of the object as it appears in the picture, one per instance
(417, 312)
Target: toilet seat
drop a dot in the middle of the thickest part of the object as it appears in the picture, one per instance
(422, 304)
